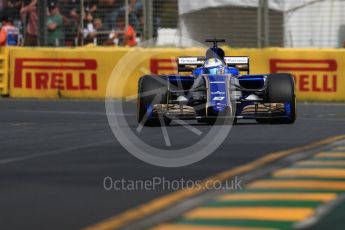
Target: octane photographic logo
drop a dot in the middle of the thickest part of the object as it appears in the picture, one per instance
(179, 144)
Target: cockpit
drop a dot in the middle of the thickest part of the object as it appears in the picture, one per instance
(214, 66)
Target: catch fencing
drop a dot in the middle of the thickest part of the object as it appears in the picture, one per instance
(245, 24)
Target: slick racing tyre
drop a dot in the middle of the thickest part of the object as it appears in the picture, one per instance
(152, 90)
(281, 89)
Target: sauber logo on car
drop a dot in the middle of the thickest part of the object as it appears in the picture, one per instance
(51, 73)
(310, 75)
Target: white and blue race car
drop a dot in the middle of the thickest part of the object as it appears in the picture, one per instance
(215, 90)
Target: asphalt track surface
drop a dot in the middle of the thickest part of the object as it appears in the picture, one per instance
(54, 156)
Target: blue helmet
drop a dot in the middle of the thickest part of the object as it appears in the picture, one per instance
(214, 66)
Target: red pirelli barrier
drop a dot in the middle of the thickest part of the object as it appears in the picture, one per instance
(53, 73)
(310, 75)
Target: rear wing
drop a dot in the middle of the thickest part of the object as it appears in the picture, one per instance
(188, 64)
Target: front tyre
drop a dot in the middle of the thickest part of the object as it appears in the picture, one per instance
(281, 89)
(152, 90)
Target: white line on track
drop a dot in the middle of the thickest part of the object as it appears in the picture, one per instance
(71, 112)
(319, 119)
(52, 152)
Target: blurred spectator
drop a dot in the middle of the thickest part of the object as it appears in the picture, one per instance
(123, 36)
(89, 32)
(9, 33)
(2, 7)
(90, 6)
(13, 10)
(29, 17)
(71, 18)
(140, 33)
(118, 7)
(108, 9)
(134, 7)
(71, 9)
(88, 19)
(71, 12)
(98, 13)
(95, 33)
(104, 11)
(54, 25)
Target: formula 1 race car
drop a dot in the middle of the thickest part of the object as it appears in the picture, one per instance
(215, 90)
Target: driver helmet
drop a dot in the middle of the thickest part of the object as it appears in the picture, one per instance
(214, 66)
(215, 52)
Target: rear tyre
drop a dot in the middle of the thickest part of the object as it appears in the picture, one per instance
(281, 89)
(152, 90)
